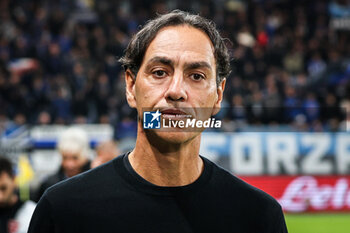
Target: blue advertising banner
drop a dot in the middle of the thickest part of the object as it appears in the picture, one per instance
(275, 153)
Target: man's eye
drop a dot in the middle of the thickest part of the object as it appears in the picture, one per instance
(159, 73)
(197, 77)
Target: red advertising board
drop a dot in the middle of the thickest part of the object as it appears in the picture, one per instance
(306, 193)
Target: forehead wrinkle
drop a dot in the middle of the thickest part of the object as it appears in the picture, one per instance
(166, 41)
(163, 45)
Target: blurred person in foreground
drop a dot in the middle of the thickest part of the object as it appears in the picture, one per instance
(176, 61)
(15, 214)
(73, 146)
(105, 152)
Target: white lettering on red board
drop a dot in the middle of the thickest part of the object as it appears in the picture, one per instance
(305, 193)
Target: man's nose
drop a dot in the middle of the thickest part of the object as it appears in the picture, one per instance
(176, 90)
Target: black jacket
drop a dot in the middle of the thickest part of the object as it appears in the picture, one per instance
(53, 179)
(114, 198)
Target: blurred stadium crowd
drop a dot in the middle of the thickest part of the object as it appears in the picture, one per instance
(58, 61)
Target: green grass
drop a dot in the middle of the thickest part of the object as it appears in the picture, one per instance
(318, 223)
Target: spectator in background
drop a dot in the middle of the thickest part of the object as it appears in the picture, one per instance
(238, 111)
(14, 213)
(73, 146)
(105, 151)
(291, 104)
(311, 107)
(44, 118)
(19, 122)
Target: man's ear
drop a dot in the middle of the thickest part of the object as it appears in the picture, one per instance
(220, 96)
(130, 81)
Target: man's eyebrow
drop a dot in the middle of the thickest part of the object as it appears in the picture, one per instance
(196, 65)
(163, 60)
(188, 66)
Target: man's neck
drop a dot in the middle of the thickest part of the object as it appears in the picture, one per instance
(169, 164)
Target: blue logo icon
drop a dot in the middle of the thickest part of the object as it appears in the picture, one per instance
(151, 120)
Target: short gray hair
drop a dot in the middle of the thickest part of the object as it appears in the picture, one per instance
(74, 140)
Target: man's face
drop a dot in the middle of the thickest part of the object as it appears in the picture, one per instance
(71, 163)
(178, 71)
(7, 187)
